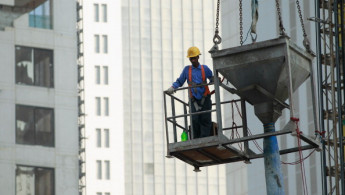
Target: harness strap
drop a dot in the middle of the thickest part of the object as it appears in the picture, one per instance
(191, 83)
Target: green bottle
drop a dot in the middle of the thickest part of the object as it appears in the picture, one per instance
(184, 136)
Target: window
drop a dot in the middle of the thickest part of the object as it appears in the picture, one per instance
(41, 16)
(106, 106)
(34, 125)
(105, 75)
(99, 169)
(98, 75)
(99, 138)
(97, 43)
(96, 12)
(98, 106)
(104, 10)
(105, 43)
(99, 193)
(106, 138)
(107, 193)
(34, 66)
(34, 180)
(107, 169)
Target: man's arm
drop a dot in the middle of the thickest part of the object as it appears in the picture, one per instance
(180, 81)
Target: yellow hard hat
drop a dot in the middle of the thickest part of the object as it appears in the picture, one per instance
(193, 52)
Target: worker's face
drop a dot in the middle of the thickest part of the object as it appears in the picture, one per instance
(194, 60)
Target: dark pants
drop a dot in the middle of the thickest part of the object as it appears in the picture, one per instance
(202, 123)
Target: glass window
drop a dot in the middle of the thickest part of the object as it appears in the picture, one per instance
(106, 138)
(97, 43)
(98, 106)
(107, 193)
(34, 126)
(99, 193)
(105, 75)
(99, 138)
(34, 66)
(104, 10)
(99, 169)
(105, 43)
(41, 16)
(96, 12)
(34, 180)
(98, 75)
(107, 169)
(106, 106)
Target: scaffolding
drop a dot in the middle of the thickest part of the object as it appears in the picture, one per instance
(329, 29)
(81, 99)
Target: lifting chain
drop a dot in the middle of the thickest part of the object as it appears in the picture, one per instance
(241, 23)
(281, 27)
(217, 39)
(305, 40)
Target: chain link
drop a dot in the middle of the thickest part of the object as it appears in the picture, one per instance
(241, 23)
(301, 18)
(217, 39)
(217, 17)
(281, 27)
(305, 40)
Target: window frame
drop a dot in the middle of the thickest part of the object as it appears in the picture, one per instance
(53, 180)
(97, 41)
(105, 75)
(33, 51)
(51, 14)
(52, 123)
(96, 12)
(104, 12)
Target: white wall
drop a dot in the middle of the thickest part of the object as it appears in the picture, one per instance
(63, 98)
(113, 122)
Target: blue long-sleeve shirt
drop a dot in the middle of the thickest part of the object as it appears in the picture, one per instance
(196, 78)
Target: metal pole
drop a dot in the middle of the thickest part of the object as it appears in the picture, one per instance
(244, 124)
(341, 134)
(218, 108)
(186, 122)
(273, 172)
(338, 76)
(173, 114)
(320, 97)
(166, 125)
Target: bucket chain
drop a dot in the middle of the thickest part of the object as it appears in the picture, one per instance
(241, 23)
(281, 27)
(305, 40)
(217, 39)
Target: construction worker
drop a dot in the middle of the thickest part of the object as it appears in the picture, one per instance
(200, 99)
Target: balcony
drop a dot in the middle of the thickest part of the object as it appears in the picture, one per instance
(12, 9)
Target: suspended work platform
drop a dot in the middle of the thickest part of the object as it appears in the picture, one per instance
(265, 75)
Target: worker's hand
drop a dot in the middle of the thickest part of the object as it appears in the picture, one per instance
(170, 91)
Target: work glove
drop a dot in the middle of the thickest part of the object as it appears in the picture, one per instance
(170, 91)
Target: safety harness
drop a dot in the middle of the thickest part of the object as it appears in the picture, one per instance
(191, 84)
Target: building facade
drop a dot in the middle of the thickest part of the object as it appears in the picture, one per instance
(38, 98)
(103, 97)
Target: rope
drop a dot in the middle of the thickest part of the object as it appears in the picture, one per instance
(234, 125)
(304, 181)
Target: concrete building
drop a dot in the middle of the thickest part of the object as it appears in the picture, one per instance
(250, 179)
(103, 97)
(38, 98)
